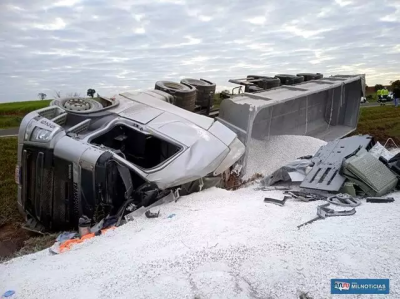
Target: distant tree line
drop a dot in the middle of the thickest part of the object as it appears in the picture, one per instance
(392, 85)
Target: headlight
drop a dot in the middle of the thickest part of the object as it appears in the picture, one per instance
(40, 135)
(29, 129)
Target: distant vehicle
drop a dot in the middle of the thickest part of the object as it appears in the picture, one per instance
(363, 100)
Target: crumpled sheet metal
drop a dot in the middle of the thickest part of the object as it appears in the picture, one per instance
(294, 171)
(325, 174)
(203, 152)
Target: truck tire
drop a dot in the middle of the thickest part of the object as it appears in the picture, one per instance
(311, 76)
(205, 91)
(78, 105)
(184, 94)
(266, 83)
(289, 79)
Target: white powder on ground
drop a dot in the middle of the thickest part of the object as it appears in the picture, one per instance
(265, 157)
(220, 244)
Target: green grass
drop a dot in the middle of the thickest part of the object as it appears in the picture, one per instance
(372, 97)
(8, 189)
(11, 114)
(381, 122)
(217, 100)
(22, 108)
(10, 121)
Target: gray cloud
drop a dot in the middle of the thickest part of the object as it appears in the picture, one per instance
(113, 46)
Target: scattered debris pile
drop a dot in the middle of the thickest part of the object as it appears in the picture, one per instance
(341, 173)
(66, 240)
(325, 174)
(352, 163)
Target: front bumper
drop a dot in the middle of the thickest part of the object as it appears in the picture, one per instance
(47, 191)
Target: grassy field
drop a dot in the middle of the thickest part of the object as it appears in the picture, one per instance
(11, 114)
(22, 107)
(10, 121)
(382, 122)
(8, 188)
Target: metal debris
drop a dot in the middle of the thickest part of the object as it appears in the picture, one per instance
(279, 202)
(380, 199)
(305, 196)
(150, 214)
(326, 175)
(275, 188)
(344, 200)
(323, 211)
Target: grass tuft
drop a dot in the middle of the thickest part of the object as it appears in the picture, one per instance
(36, 244)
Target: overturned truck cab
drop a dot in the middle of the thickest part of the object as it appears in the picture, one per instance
(84, 157)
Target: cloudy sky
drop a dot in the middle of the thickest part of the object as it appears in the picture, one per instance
(118, 45)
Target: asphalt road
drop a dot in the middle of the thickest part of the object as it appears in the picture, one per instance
(9, 132)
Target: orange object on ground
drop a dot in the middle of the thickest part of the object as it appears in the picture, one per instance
(67, 244)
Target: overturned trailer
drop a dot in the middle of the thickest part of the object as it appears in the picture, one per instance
(326, 108)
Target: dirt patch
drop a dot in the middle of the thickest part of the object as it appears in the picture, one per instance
(37, 243)
(235, 182)
(12, 239)
(16, 241)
